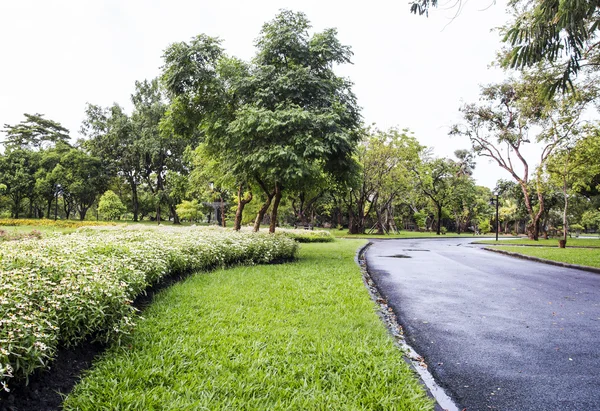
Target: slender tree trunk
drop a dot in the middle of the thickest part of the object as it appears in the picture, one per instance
(174, 213)
(439, 219)
(237, 225)
(134, 200)
(49, 208)
(565, 227)
(275, 208)
(262, 211)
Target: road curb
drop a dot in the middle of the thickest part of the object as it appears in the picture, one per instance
(443, 402)
(545, 261)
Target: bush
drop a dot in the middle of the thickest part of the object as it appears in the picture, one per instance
(111, 206)
(66, 288)
(484, 226)
(307, 236)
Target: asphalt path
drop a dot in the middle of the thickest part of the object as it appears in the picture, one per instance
(497, 333)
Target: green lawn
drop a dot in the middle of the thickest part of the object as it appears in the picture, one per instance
(579, 242)
(581, 256)
(303, 336)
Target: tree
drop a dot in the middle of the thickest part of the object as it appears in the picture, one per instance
(113, 138)
(387, 160)
(161, 147)
(84, 179)
(189, 210)
(110, 205)
(572, 168)
(436, 179)
(35, 132)
(559, 34)
(277, 119)
(562, 34)
(498, 128)
(17, 169)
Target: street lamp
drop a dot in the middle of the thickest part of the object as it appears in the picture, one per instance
(58, 187)
(497, 203)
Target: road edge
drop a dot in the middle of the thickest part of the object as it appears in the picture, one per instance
(543, 260)
(443, 402)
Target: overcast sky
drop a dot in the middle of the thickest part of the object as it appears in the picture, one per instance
(409, 71)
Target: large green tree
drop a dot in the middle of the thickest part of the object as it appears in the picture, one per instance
(278, 119)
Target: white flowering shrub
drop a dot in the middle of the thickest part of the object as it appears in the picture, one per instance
(307, 236)
(66, 288)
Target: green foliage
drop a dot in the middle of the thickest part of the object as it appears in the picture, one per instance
(110, 206)
(591, 219)
(277, 120)
(315, 343)
(562, 34)
(63, 289)
(189, 210)
(35, 132)
(308, 236)
(484, 225)
(420, 218)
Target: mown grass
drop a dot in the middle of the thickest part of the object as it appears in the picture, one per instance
(581, 256)
(301, 336)
(552, 242)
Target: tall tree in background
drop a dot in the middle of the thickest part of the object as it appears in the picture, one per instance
(113, 139)
(436, 179)
(498, 128)
(387, 160)
(35, 132)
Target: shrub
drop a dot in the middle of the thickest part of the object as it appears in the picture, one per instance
(111, 206)
(66, 288)
(307, 236)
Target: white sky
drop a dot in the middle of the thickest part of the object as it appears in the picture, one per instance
(409, 71)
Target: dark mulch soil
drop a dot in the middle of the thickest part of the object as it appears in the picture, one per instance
(46, 387)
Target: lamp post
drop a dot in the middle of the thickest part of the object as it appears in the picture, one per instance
(58, 187)
(497, 203)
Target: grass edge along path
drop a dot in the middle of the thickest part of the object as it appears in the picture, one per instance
(579, 257)
(303, 335)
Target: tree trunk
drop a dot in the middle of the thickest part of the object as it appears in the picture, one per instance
(439, 218)
(565, 227)
(275, 208)
(82, 213)
(134, 200)
(49, 208)
(237, 224)
(262, 212)
(174, 213)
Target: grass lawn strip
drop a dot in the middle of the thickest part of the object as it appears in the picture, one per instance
(589, 257)
(553, 242)
(303, 335)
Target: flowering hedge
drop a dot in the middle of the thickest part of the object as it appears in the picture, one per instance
(307, 236)
(66, 288)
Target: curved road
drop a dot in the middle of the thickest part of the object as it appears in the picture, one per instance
(498, 333)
